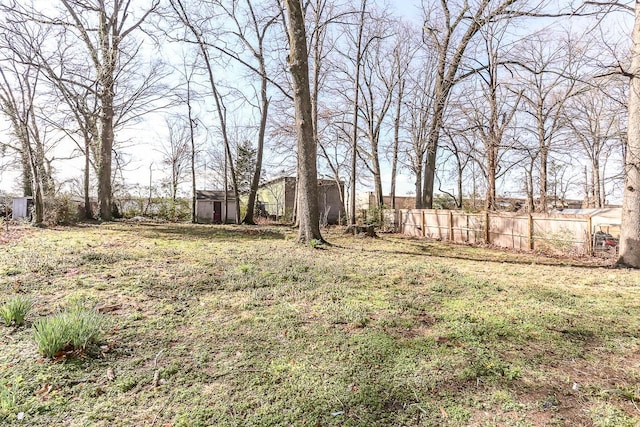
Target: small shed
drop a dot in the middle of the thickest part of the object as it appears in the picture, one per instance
(21, 207)
(212, 209)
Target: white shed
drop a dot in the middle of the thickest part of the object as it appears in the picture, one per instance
(211, 207)
(21, 207)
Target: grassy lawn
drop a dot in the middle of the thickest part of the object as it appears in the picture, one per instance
(231, 326)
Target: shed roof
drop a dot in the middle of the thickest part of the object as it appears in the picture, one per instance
(215, 195)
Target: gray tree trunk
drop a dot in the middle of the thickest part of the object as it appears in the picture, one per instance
(354, 136)
(630, 228)
(308, 215)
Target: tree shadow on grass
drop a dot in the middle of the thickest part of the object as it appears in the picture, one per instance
(474, 253)
(224, 232)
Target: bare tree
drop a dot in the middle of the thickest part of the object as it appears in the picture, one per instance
(104, 45)
(491, 114)
(378, 87)
(328, 129)
(105, 30)
(458, 144)
(403, 56)
(594, 121)
(548, 75)
(418, 102)
(451, 26)
(630, 227)
(197, 29)
(308, 215)
(19, 91)
(251, 25)
(356, 104)
(176, 155)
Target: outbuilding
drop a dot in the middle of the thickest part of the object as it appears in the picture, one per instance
(212, 208)
(276, 199)
(21, 207)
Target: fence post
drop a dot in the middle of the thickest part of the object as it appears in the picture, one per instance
(451, 236)
(487, 236)
(467, 226)
(422, 223)
(531, 243)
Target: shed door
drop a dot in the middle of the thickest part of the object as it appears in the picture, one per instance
(217, 212)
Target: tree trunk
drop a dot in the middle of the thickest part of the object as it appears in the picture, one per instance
(377, 177)
(106, 81)
(104, 163)
(544, 161)
(356, 96)
(255, 183)
(27, 179)
(490, 200)
(459, 201)
(194, 218)
(88, 210)
(529, 185)
(396, 143)
(418, 202)
(430, 167)
(595, 173)
(630, 228)
(308, 215)
(36, 184)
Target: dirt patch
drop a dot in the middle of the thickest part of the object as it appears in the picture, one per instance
(13, 232)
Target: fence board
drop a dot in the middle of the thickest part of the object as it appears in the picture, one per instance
(560, 233)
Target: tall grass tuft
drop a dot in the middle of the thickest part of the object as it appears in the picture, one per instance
(70, 330)
(8, 400)
(15, 310)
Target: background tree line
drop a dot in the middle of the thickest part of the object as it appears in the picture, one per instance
(468, 99)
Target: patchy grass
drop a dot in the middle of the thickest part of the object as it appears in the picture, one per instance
(213, 325)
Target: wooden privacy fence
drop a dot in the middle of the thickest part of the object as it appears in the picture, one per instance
(561, 233)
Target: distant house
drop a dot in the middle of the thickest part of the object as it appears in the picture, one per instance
(402, 202)
(211, 208)
(277, 199)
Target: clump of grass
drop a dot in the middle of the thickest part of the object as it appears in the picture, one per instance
(314, 243)
(607, 415)
(69, 330)
(15, 310)
(8, 400)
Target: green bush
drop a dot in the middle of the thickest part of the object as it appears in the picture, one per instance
(72, 329)
(15, 310)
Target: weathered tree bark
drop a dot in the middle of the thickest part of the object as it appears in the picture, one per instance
(27, 179)
(86, 186)
(255, 183)
(630, 228)
(354, 134)
(192, 140)
(396, 141)
(309, 217)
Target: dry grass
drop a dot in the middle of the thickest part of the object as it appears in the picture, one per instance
(240, 326)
